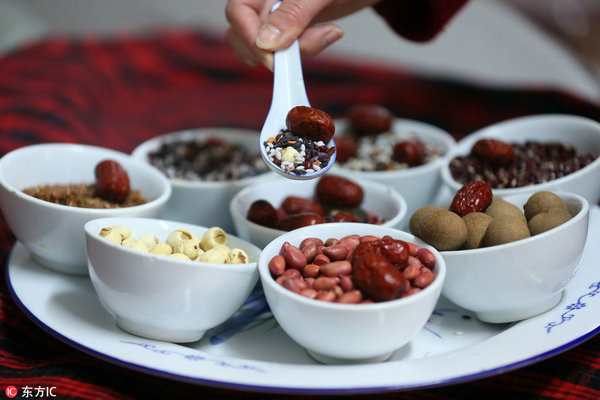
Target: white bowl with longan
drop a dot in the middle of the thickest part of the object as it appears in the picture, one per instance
(522, 278)
(167, 280)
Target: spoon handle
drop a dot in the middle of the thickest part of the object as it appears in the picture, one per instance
(288, 85)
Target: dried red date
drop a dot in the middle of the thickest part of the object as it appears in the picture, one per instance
(295, 221)
(310, 123)
(473, 196)
(369, 119)
(339, 192)
(346, 148)
(345, 216)
(410, 152)
(296, 205)
(396, 251)
(495, 151)
(377, 277)
(112, 181)
(263, 213)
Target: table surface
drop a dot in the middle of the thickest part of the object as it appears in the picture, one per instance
(121, 91)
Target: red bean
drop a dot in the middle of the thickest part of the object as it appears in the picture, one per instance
(321, 259)
(311, 240)
(331, 241)
(277, 265)
(346, 283)
(326, 295)
(325, 283)
(293, 256)
(337, 268)
(335, 252)
(424, 279)
(351, 297)
(311, 271)
(426, 257)
(310, 251)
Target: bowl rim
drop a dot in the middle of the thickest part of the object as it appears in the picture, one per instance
(570, 197)
(427, 129)
(390, 192)
(267, 280)
(110, 221)
(164, 185)
(494, 131)
(141, 151)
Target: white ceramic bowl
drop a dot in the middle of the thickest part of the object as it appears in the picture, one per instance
(582, 133)
(380, 199)
(204, 202)
(53, 233)
(418, 185)
(348, 333)
(163, 298)
(521, 279)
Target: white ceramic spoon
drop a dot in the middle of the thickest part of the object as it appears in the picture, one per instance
(288, 92)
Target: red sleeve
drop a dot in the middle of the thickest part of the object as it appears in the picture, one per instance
(418, 20)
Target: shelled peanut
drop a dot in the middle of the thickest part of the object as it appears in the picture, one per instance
(477, 219)
(211, 247)
(353, 269)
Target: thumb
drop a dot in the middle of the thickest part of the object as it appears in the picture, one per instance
(287, 22)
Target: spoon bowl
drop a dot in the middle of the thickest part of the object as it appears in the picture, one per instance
(288, 92)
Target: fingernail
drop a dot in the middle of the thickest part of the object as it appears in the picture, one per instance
(268, 62)
(268, 37)
(333, 35)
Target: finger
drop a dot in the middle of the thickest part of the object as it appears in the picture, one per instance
(317, 38)
(286, 23)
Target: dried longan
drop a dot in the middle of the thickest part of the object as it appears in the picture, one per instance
(503, 207)
(546, 220)
(417, 220)
(505, 229)
(444, 230)
(477, 224)
(542, 201)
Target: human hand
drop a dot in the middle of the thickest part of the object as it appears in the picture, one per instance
(255, 33)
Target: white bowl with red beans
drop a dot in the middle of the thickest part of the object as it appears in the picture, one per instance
(523, 278)
(206, 168)
(403, 153)
(351, 292)
(263, 211)
(552, 152)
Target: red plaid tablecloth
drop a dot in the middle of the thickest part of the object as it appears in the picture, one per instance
(119, 92)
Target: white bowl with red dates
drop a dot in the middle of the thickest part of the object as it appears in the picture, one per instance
(167, 280)
(265, 210)
(529, 154)
(206, 168)
(351, 292)
(372, 144)
(49, 191)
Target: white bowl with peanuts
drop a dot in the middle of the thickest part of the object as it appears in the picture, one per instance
(167, 280)
(339, 317)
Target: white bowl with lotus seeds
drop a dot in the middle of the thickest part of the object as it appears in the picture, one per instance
(523, 278)
(173, 297)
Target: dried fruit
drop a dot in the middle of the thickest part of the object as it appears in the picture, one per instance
(473, 196)
(296, 205)
(495, 151)
(377, 277)
(295, 221)
(263, 213)
(410, 152)
(346, 148)
(112, 181)
(369, 119)
(310, 123)
(339, 192)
